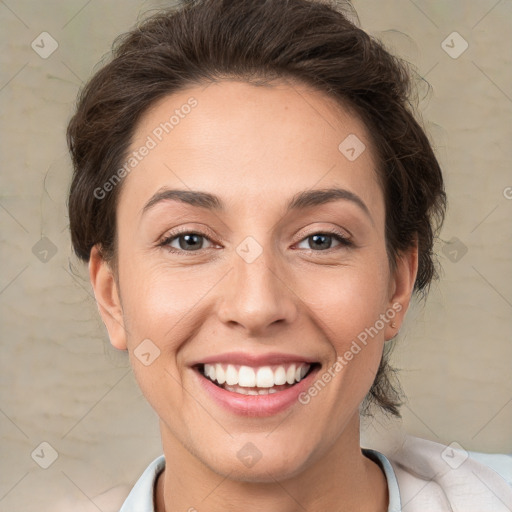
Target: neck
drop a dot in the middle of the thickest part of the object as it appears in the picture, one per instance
(341, 479)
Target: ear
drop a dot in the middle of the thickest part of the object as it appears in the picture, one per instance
(107, 298)
(401, 287)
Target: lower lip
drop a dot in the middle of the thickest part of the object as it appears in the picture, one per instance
(256, 405)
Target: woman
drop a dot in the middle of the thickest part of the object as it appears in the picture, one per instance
(257, 206)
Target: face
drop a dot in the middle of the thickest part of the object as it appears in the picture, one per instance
(283, 296)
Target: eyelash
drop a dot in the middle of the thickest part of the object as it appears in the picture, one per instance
(344, 241)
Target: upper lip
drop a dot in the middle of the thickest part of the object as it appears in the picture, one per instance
(246, 359)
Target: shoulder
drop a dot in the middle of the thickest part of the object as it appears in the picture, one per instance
(140, 498)
(432, 476)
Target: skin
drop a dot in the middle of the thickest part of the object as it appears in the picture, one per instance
(255, 147)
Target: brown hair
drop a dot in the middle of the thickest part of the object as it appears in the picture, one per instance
(258, 41)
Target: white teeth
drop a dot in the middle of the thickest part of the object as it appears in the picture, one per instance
(246, 377)
(231, 375)
(280, 376)
(290, 374)
(264, 377)
(249, 391)
(221, 374)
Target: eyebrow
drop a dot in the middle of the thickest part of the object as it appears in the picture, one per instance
(299, 201)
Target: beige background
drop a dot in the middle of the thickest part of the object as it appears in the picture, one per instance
(63, 384)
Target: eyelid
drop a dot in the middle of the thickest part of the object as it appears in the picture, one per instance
(205, 233)
(343, 233)
(339, 236)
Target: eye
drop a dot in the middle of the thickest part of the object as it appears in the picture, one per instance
(322, 240)
(187, 241)
(192, 241)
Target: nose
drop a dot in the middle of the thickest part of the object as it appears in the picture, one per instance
(257, 296)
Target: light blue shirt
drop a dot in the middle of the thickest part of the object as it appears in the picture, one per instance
(423, 476)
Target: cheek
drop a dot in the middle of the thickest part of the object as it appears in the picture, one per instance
(160, 302)
(157, 307)
(347, 299)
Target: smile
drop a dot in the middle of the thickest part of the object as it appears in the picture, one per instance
(262, 380)
(256, 386)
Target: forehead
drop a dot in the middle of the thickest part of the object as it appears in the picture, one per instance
(234, 138)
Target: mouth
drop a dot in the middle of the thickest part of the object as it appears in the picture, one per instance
(256, 380)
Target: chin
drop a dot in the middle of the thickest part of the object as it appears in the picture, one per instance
(252, 466)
